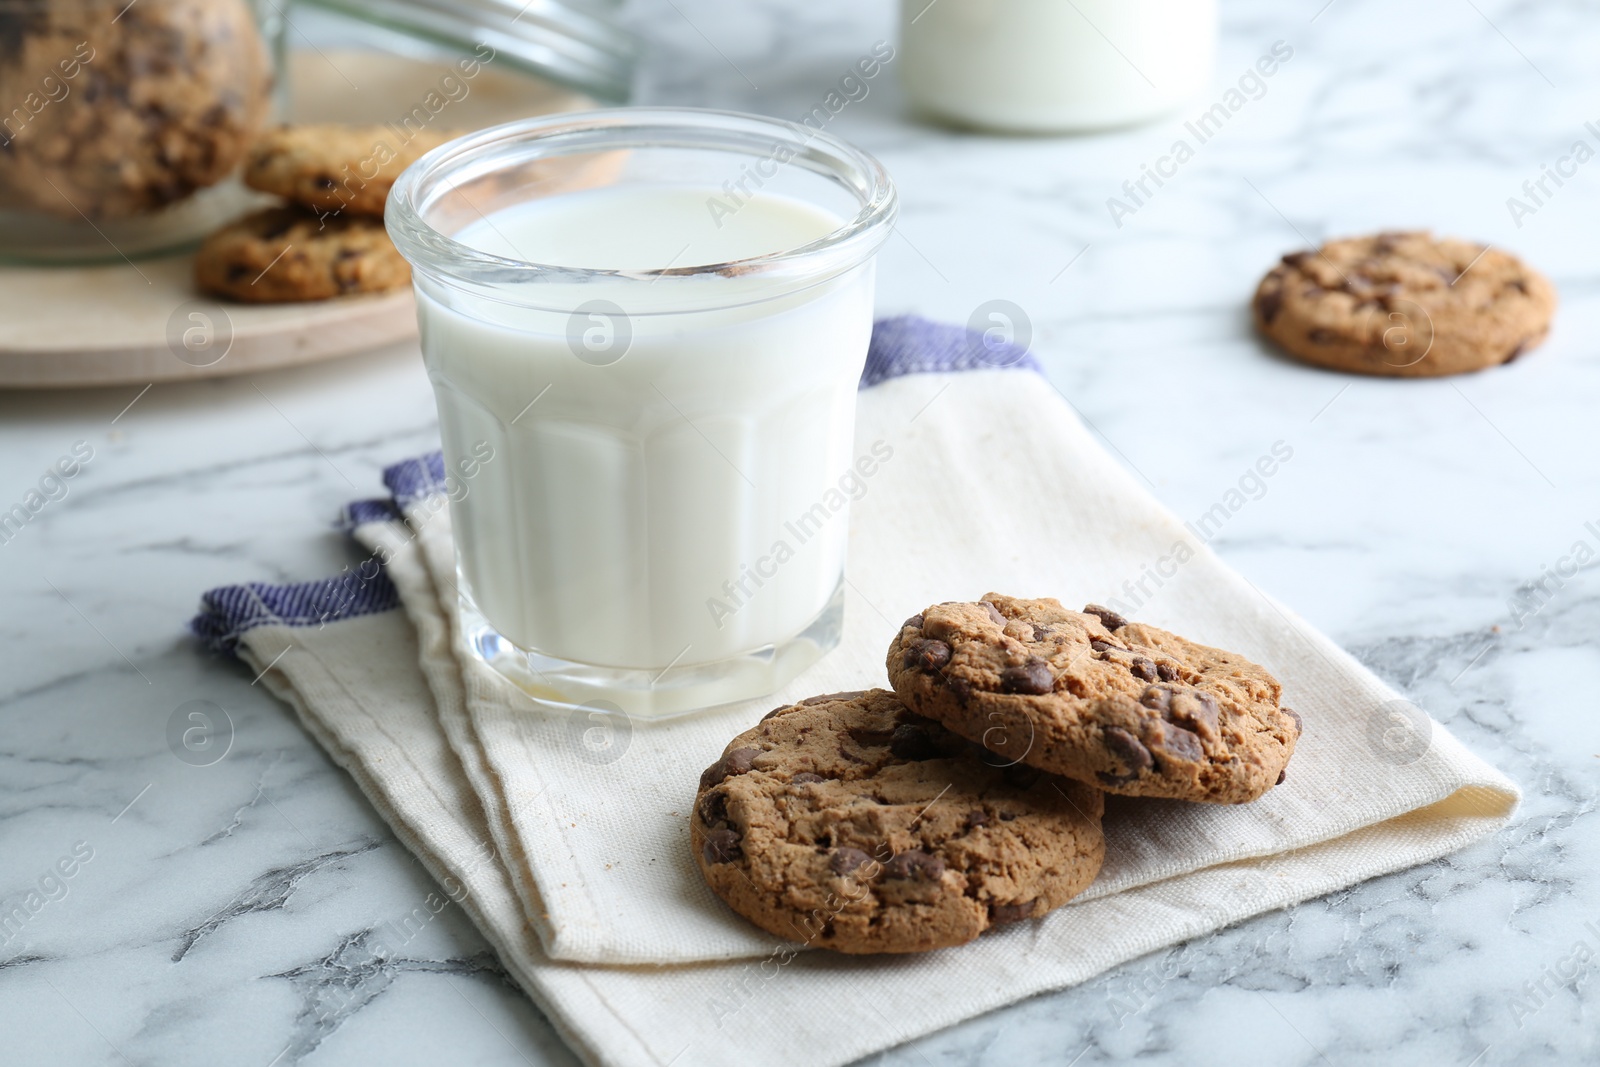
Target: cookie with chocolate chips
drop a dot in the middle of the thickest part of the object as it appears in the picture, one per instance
(846, 822)
(281, 254)
(1404, 305)
(1089, 695)
(328, 168)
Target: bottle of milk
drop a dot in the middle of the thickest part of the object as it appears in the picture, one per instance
(1043, 66)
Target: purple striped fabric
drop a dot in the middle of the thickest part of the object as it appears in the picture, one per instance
(911, 345)
(360, 512)
(412, 479)
(229, 611)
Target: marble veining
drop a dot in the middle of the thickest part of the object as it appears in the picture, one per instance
(255, 910)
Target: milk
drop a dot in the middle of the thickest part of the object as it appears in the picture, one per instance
(1054, 65)
(647, 464)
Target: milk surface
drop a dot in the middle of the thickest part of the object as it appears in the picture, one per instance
(629, 502)
(648, 228)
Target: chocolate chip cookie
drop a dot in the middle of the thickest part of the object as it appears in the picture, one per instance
(344, 169)
(846, 822)
(283, 254)
(114, 110)
(1404, 305)
(1133, 709)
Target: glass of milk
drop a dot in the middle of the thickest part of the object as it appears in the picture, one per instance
(1054, 66)
(644, 328)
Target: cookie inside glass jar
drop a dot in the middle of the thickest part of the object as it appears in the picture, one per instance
(124, 109)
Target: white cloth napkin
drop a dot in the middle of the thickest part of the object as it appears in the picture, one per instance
(577, 871)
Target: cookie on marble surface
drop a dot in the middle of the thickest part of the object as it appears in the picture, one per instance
(848, 823)
(1404, 305)
(346, 169)
(279, 255)
(1133, 709)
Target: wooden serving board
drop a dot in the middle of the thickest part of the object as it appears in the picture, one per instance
(127, 324)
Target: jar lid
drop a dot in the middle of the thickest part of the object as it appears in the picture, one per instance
(576, 43)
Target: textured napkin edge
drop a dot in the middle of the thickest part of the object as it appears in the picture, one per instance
(399, 543)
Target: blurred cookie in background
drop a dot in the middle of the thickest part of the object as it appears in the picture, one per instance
(1404, 304)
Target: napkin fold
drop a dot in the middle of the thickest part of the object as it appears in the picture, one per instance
(567, 833)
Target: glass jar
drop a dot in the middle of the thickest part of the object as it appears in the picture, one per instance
(655, 415)
(459, 64)
(1048, 66)
(122, 125)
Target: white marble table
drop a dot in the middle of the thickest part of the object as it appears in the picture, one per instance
(212, 921)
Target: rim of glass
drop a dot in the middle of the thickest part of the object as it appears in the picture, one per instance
(443, 257)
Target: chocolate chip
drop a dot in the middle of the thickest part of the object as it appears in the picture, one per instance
(1099, 645)
(915, 623)
(916, 865)
(976, 818)
(994, 613)
(1197, 710)
(775, 711)
(1108, 618)
(325, 182)
(1128, 749)
(1299, 724)
(869, 738)
(722, 846)
(1167, 671)
(1041, 632)
(712, 775)
(1193, 709)
(1321, 336)
(1010, 913)
(1181, 743)
(927, 655)
(806, 778)
(1144, 668)
(1297, 260)
(1281, 776)
(845, 860)
(714, 808)
(1518, 284)
(960, 688)
(1033, 677)
(1268, 303)
(913, 743)
(739, 761)
(826, 697)
(1156, 698)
